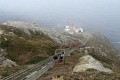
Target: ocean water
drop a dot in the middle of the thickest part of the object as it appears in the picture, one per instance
(117, 45)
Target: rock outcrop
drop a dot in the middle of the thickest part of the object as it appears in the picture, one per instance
(26, 26)
(88, 62)
(6, 62)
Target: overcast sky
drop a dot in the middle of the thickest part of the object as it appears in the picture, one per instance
(62, 8)
(93, 14)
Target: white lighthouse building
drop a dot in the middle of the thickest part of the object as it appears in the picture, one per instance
(67, 28)
(73, 29)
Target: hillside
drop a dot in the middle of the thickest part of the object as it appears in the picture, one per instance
(28, 43)
(77, 69)
(23, 48)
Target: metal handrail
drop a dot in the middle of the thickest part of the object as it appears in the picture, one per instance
(37, 66)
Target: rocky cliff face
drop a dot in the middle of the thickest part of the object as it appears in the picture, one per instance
(103, 49)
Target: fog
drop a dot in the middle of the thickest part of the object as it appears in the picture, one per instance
(93, 15)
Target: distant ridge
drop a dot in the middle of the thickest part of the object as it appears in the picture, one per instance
(116, 42)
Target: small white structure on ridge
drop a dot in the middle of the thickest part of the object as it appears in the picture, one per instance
(73, 29)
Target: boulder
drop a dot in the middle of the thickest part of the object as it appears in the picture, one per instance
(88, 62)
(8, 63)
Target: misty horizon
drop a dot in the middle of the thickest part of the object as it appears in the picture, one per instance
(93, 15)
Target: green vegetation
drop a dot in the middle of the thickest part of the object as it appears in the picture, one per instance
(5, 74)
(91, 70)
(4, 43)
(101, 58)
(36, 60)
(22, 47)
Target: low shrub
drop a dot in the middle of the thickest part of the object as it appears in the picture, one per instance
(101, 58)
(4, 74)
(36, 60)
(90, 69)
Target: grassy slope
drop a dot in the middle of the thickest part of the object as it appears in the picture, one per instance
(22, 47)
(109, 61)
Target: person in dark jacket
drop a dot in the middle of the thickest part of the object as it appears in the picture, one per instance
(55, 57)
(61, 57)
